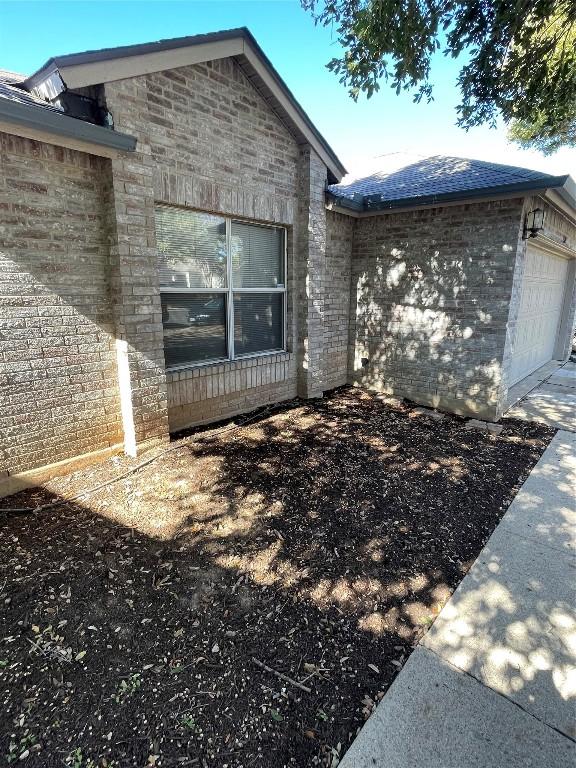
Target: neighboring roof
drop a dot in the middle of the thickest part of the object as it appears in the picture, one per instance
(93, 67)
(399, 182)
(12, 93)
(7, 76)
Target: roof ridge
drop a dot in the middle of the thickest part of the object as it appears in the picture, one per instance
(166, 43)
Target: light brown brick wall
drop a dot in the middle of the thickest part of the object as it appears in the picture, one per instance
(211, 393)
(208, 141)
(310, 274)
(339, 237)
(430, 302)
(217, 145)
(58, 390)
(134, 275)
(81, 271)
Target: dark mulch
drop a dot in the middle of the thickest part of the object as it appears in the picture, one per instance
(320, 540)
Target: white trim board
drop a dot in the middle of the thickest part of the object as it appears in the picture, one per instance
(94, 73)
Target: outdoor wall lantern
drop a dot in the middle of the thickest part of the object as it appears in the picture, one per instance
(534, 223)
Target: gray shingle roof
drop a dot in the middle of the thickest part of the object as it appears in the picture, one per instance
(8, 76)
(433, 179)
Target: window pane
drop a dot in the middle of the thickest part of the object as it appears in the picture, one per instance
(191, 249)
(257, 256)
(258, 322)
(194, 327)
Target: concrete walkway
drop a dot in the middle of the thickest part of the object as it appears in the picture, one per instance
(493, 683)
(549, 397)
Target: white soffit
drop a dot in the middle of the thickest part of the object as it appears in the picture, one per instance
(94, 73)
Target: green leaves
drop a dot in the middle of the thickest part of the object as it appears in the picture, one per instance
(520, 57)
(536, 134)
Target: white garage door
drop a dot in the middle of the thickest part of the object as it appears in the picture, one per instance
(541, 300)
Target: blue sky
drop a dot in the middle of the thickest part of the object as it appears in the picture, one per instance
(31, 32)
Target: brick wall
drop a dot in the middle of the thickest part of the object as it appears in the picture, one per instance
(216, 144)
(339, 235)
(208, 141)
(133, 275)
(310, 274)
(430, 303)
(58, 384)
(82, 348)
(211, 393)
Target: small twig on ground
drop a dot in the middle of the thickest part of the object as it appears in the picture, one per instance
(36, 647)
(281, 676)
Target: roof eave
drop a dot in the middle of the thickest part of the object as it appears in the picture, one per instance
(340, 201)
(45, 71)
(567, 192)
(376, 203)
(92, 67)
(43, 124)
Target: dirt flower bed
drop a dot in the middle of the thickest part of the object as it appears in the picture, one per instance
(246, 599)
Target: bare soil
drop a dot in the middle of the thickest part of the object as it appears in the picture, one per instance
(319, 540)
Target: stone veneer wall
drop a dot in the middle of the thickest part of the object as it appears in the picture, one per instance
(208, 141)
(58, 380)
(430, 303)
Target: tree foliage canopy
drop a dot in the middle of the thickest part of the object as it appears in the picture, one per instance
(520, 57)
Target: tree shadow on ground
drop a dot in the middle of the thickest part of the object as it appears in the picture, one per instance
(512, 622)
(321, 541)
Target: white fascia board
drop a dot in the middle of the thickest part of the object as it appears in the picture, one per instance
(95, 73)
(558, 201)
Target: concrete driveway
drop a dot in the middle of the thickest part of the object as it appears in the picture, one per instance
(551, 398)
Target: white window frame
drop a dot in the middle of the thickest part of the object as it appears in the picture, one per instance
(229, 292)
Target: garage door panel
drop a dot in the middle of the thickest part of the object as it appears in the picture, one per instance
(539, 312)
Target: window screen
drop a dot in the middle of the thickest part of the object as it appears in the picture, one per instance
(222, 286)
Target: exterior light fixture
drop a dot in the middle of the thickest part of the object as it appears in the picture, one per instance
(534, 223)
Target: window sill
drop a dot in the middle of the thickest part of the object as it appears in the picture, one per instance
(224, 366)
